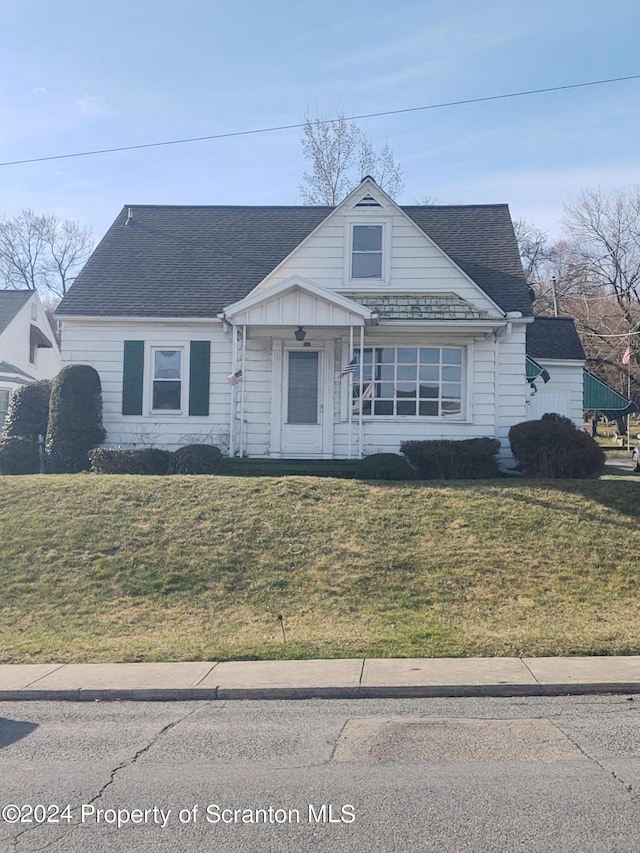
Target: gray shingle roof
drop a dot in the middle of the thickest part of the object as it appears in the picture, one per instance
(553, 338)
(11, 301)
(193, 261)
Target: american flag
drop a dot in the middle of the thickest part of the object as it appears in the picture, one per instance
(349, 368)
(628, 353)
(234, 378)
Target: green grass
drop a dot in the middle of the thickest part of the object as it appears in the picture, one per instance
(97, 568)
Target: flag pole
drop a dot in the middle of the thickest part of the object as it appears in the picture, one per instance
(629, 395)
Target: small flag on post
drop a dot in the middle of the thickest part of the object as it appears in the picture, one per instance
(349, 368)
(628, 354)
(234, 378)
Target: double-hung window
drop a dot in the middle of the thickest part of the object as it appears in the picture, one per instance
(418, 381)
(167, 379)
(366, 251)
(5, 396)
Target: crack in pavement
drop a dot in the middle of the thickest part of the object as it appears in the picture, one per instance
(132, 761)
(112, 777)
(628, 788)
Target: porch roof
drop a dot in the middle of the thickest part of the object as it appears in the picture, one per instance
(297, 302)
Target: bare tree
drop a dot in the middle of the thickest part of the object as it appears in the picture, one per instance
(338, 149)
(534, 249)
(40, 252)
(604, 237)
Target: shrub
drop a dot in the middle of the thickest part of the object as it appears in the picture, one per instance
(19, 455)
(197, 459)
(554, 449)
(28, 413)
(445, 459)
(75, 419)
(148, 460)
(558, 419)
(385, 466)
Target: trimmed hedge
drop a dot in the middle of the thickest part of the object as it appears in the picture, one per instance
(19, 455)
(385, 466)
(197, 459)
(148, 460)
(75, 419)
(445, 459)
(557, 450)
(28, 413)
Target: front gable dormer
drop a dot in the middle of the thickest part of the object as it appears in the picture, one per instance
(368, 244)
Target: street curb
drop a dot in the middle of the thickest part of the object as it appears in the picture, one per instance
(431, 691)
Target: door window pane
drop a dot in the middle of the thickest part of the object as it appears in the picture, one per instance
(302, 403)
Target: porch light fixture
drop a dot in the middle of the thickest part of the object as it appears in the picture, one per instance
(300, 333)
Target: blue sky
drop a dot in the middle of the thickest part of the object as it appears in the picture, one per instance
(78, 76)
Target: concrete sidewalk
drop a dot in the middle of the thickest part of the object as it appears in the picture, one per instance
(335, 679)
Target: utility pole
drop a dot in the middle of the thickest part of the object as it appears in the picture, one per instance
(554, 290)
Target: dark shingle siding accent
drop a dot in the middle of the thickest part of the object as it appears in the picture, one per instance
(412, 307)
(554, 338)
(194, 261)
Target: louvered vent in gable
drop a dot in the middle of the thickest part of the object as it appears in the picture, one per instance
(368, 201)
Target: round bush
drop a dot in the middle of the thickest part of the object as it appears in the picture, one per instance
(453, 459)
(197, 459)
(556, 450)
(146, 460)
(19, 455)
(28, 413)
(75, 419)
(385, 466)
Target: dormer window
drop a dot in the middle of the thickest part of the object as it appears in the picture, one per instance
(366, 251)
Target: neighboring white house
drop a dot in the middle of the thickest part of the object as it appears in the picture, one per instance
(554, 346)
(28, 348)
(233, 325)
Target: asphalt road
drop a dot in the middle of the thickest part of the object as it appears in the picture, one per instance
(394, 775)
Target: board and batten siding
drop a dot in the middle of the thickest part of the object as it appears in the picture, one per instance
(170, 430)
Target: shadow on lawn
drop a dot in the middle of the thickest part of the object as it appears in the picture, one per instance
(619, 494)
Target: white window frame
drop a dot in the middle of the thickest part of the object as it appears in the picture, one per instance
(373, 220)
(152, 378)
(458, 417)
(33, 354)
(7, 391)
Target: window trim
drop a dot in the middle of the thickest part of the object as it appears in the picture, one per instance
(374, 219)
(9, 392)
(464, 416)
(181, 348)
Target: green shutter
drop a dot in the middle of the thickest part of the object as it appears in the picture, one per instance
(199, 367)
(132, 377)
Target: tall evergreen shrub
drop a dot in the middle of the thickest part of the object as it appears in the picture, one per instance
(75, 419)
(28, 413)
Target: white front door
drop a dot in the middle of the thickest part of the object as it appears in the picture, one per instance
(302, 428)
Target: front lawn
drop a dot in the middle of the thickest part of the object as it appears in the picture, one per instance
(124, 568)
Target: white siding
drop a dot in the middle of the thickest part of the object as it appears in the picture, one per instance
(14, 343)
(562, 393)
(411, 261)
(511, 385)
(152, 429)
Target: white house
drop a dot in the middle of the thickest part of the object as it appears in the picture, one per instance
(553, 346)
(233, 325)
(28, 348)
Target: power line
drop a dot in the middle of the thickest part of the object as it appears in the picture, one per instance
(323, 121)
